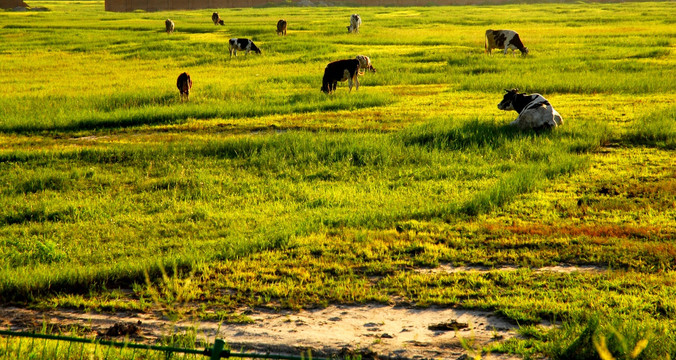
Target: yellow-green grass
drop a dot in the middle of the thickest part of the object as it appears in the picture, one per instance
(263, 191)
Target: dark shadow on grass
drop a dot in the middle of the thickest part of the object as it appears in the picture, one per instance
(472, 134)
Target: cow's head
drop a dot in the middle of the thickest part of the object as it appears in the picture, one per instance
(524, 51)
(325, 87)
(508, 100)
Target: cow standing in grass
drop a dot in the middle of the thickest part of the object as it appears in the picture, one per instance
(535, 112)
(169, 25)
(365, 64)
(184, 84)
(355, 23)
(281, 27)
(242, 45)
(504, 39)
(217, 19)
(340, 70)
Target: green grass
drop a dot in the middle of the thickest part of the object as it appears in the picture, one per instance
(266, 190)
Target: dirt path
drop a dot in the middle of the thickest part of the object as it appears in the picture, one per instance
(371, 330)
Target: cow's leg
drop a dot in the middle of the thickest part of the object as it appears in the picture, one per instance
(356, 81)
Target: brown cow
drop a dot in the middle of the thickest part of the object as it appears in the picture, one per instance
(281, 27)
(169, 25)
(184, 84)
(217, 19)
(340, 70)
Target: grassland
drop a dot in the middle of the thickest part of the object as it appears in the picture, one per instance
(263, 191)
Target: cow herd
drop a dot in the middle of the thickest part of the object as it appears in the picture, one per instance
(535, 112)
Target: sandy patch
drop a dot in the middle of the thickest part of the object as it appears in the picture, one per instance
(386, 332)
(567, 269)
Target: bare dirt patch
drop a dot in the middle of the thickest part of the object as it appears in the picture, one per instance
(372, 331)
(563, 268)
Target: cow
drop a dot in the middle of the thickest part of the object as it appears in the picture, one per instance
(217, 19)
(535, 112)
(243, 45)
(365, 64)
(281, 27)
(340, 70)
(355, 23)
(504, 39)
(169, 25)
(184, 84)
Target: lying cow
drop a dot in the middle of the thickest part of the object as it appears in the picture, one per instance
(504, 39)
(184, 84)
(169, 25)
(355, 23)
(340, 70)
(217, 19)
(365, 64)
(535, 112)
(243, 45)
(281, 27)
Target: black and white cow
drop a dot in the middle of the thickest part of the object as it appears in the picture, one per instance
(504, 39)
(243, 45)
(281, 27)
(535, 112)
(169, 25)
(217, 19)
(184, 84)
(340, 70)
(355, 23)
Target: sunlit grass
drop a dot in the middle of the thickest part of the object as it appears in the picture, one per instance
(263, 186)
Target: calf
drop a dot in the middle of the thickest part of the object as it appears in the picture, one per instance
(184, 84)
(217, 19)
(340, 70)
(243, 45)
(169, 25)
(365, 64)
(355, 23)
(535, 112)
(281, 27)
(504, 39)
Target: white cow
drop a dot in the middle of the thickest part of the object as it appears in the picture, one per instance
(535, 112)
(355, 23)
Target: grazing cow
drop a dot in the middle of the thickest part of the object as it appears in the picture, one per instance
(281, 27)
(340, 70)
(216, 19)
(243, 45)
(355, 23)
(169, 25)
(535, 112)
(184, 84)
(504, 39)
(365, 64)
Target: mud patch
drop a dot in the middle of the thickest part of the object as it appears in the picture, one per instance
(370, 331)
(563, 268)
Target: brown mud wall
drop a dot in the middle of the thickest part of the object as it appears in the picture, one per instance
(157, 5)
(11, 4)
